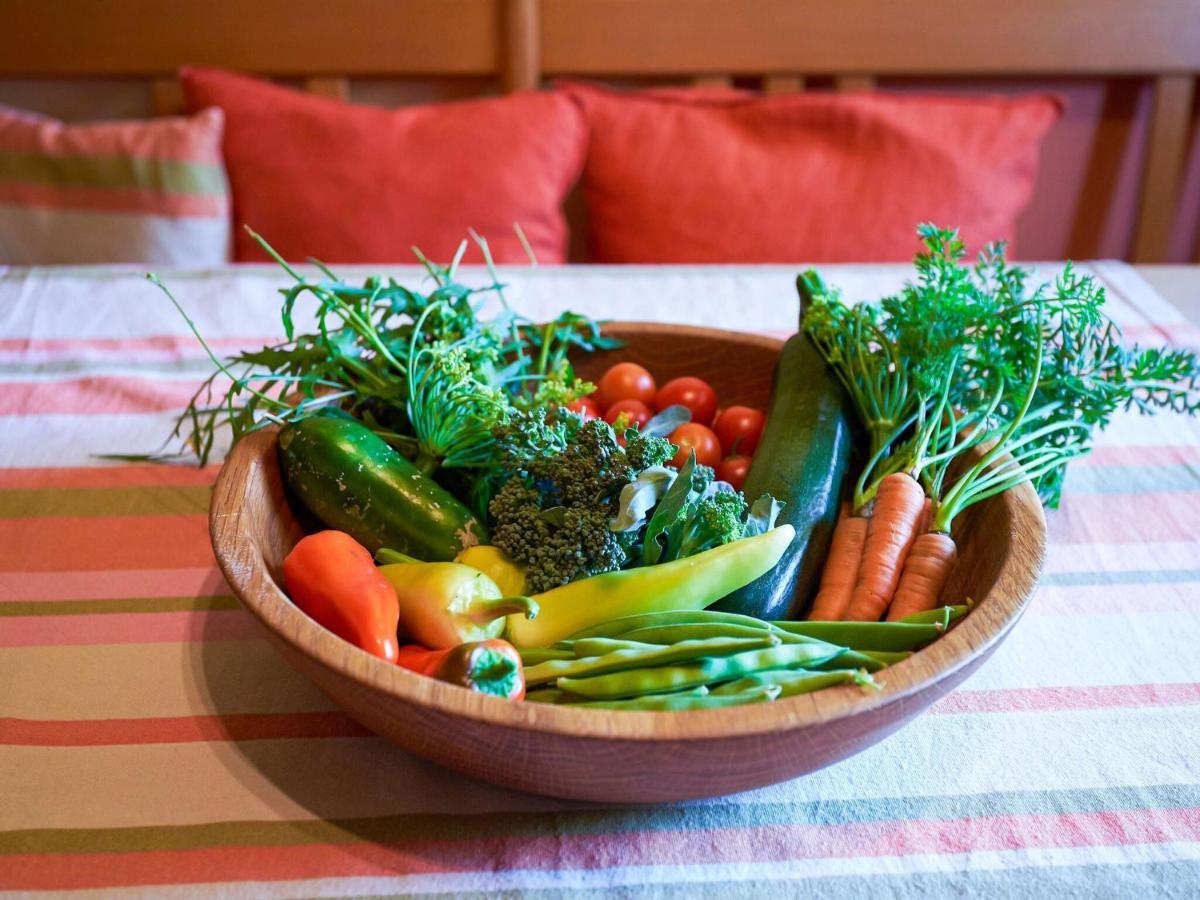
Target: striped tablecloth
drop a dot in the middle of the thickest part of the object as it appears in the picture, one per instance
(151, 744)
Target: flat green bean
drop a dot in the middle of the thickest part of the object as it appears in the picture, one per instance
(671, 634)
(866, 635)
(633, 682)
(653, 655)
(887, 657)
(796, 681)
(943, 615)
(619, 626)
(531, 656)
(686, 700)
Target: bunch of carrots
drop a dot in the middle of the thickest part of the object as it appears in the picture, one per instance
(966, 384)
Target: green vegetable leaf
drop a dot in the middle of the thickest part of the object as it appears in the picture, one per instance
(667, 512)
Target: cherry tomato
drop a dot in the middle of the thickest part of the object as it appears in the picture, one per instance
(694, 393)
(693, 436)
(625, 381)
(733, 469)
(637, 412)
(739, 429)
(586, 407)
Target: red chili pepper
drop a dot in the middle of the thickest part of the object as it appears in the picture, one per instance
(332, 577)
(490, 667)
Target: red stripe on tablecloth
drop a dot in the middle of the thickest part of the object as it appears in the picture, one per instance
(95, 396)
(122, 542)
(129, 628)
(599, 851)
(116, 584)
(107, 476)
(180, 729)
(1125, 518)
(1049, 699)
(279, 726)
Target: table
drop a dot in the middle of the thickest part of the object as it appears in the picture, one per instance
(151, 744)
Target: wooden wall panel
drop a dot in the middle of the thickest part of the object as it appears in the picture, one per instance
(276, 37)
(880, 37)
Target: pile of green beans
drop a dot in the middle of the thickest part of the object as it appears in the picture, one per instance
(691, 659)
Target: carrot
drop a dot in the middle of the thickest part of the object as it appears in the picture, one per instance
(925, 572)
(841, 569)
(899, 502)
(926, 517)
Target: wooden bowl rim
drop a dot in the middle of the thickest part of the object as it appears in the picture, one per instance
(990, 619)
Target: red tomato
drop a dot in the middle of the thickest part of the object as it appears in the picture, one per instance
(739, 429)
(625, 381)
(586, 407)
(693, 436)
(637, 412)
(733, 469)
(697, 395)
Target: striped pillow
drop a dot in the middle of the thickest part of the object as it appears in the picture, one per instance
(147, 191)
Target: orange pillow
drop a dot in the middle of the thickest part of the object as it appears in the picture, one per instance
(730, 176)
(343, 183)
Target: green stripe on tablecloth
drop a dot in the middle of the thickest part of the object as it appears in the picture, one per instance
(550, 824)
(169, 175)
(1149, 479)
(142, 500)
(124, 605)
(1136, 576)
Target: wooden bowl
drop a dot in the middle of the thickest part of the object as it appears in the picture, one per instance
(626, 756)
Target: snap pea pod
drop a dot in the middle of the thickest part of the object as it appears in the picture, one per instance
(686, 700)
(547, 695)
(866, 635)
(652, 655)
(556, 697)
(632, 682)
(624, 624)
(585, 647)
(531, 656)
(871, 660)
(671, 634)
(943, 615)
(792, 681)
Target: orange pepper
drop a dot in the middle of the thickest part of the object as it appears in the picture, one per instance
(333, 578)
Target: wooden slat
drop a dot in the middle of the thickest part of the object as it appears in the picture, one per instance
(522, 45)
(849, 84)
(166, 96)
(783, 84)
(1170, 120)
(648, 37)
(333, 88)
(277, 37)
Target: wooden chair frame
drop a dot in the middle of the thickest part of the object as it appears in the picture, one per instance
(521, 42)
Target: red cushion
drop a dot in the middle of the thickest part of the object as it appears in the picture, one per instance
(729, 176)
(343, 183)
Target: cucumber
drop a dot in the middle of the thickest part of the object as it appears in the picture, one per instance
(802, 459)
(352, 480)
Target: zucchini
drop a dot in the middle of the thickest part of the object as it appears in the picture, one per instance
(802, 459)
(352, 480)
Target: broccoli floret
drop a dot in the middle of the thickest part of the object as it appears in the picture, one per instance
(553, 513)
(713, 521)
(646, 450)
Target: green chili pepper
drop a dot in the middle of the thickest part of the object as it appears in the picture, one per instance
(624, 624)
(792, 681)
(686, 700)
(866, 635)
(943, 615)
(634, 658)
(707, 670)
(531, 656)
(690, 583)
